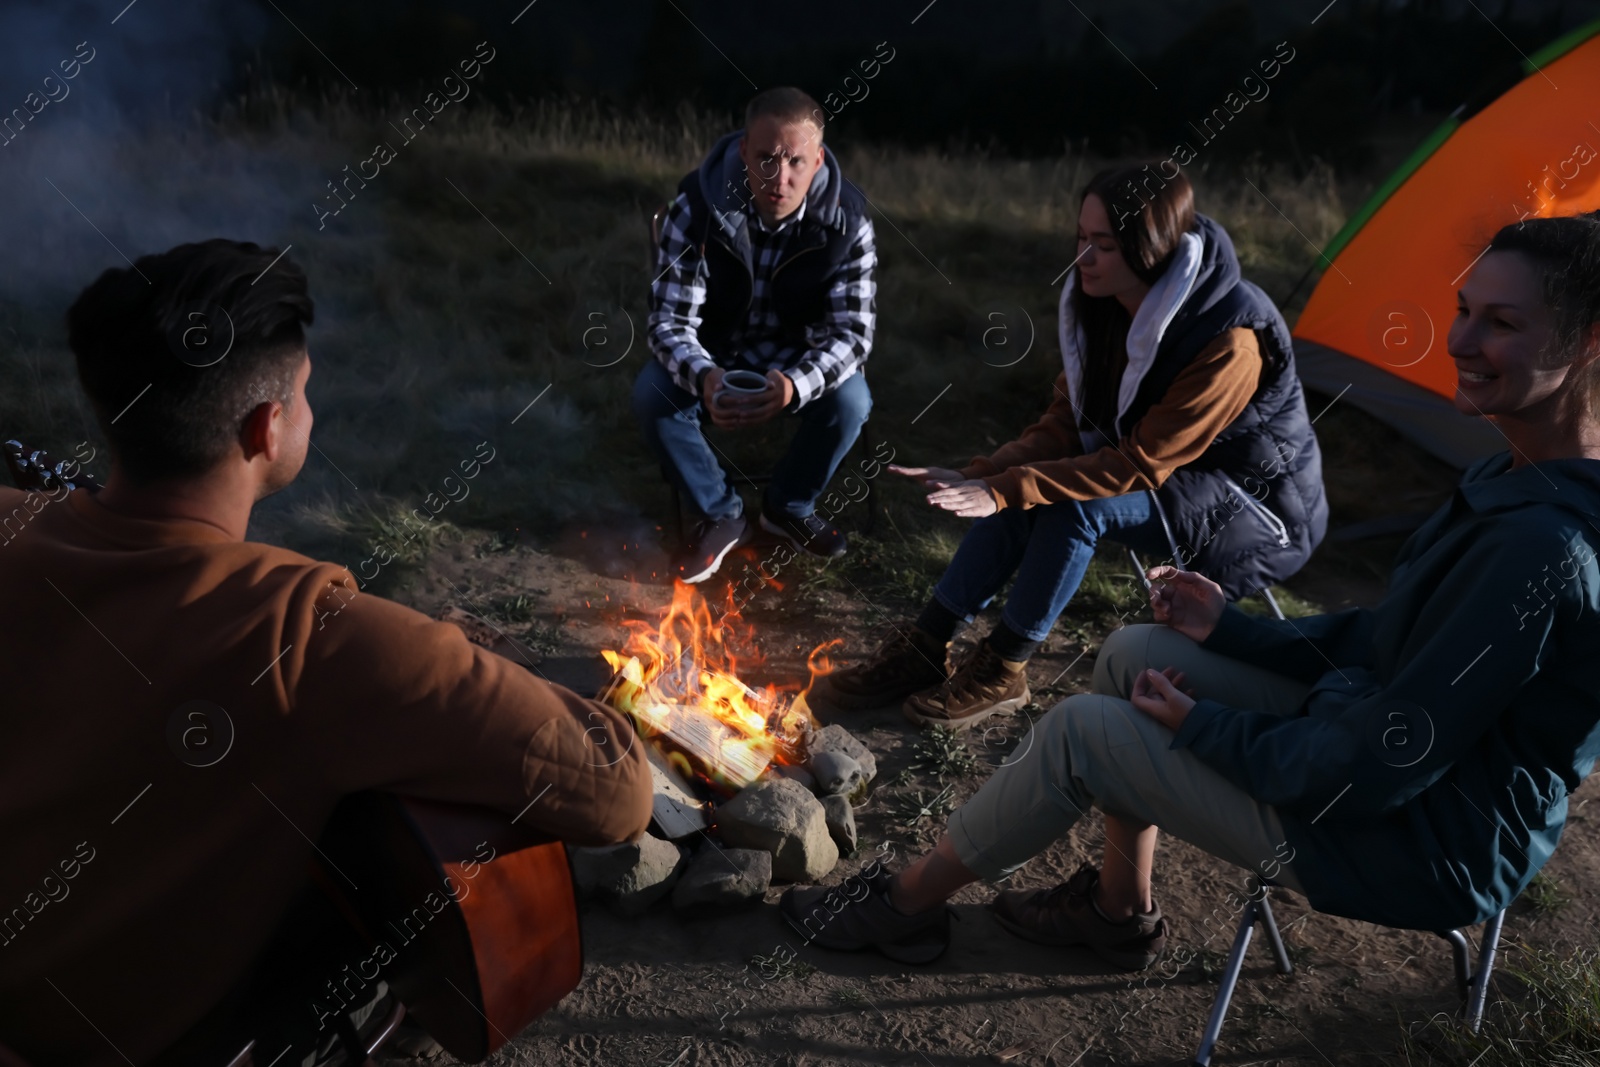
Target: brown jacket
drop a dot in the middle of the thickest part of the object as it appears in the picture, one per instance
(136, 887)
(1047, 465)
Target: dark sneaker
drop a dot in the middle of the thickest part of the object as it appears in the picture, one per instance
(709, 541)
(907, 663)
(1066, 915)
(811, 534)
(984, 685)
(856, 915)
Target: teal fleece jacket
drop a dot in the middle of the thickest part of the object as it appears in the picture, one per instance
(1425, 780)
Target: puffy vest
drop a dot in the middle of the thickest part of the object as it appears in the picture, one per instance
(1249, 511)
(800, 282)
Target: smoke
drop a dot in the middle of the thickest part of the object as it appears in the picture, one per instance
(106, 151)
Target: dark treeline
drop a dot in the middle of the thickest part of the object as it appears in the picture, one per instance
(1019, 79)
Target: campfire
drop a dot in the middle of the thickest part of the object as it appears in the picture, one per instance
(748, 787)
(680, 683)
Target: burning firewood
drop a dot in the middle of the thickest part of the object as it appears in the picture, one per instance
(680, 685)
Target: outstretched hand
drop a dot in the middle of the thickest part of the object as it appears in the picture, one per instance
(969, 498)
(1188, 602)
(1160, 695)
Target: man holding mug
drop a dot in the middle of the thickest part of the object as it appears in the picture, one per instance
(763, 305)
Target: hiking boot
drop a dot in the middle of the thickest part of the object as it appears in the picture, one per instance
(1066, 915)
(984, 685)
(709, 541)
(907, 663)
(812, 534)
(857, 915)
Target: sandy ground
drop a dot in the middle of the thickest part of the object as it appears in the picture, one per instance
(667, 991)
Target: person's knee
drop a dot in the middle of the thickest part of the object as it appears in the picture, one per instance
(855, 401)
(1073, 724)
(847, 405)
(1124, 653)
(647, 400)
(1006, 525)
(656, 395)
(1066, 520)
(1102, 742)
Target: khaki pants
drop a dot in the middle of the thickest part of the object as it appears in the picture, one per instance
(1097, 750)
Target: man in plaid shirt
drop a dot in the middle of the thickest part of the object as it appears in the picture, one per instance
(766, 263)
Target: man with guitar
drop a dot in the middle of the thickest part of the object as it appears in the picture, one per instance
(184, 708)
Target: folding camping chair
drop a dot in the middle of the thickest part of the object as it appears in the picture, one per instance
(1473, 985)
(867, 441)
(1172, 547)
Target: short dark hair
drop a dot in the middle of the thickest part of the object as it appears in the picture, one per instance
(175, 351)
(786, 104)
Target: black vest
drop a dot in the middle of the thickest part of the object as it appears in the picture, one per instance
(1249, 511)
(800, 282)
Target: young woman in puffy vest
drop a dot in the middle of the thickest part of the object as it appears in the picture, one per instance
(1177, 427)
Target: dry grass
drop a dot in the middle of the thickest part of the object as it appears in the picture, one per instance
(436, 327)
(1553, 1018)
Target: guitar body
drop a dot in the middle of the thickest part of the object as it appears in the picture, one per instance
(480, 914)
(475, 916)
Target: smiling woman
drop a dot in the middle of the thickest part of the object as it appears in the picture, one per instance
(1526, 338)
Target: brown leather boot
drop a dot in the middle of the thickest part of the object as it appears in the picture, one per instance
(984, 685)
(1066, 915)
(907, 663)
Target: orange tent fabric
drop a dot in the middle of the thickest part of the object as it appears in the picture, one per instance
(1389, 295)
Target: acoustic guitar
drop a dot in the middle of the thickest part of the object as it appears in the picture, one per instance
(478, 914)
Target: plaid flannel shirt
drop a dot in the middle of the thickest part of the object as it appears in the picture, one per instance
(835, 348)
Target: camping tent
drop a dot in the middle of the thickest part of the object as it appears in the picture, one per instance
(1374, 328)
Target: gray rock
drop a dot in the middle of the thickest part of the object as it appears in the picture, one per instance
(723, 877)
(837, 774)
(783, 818)
(841, 819)
(632, 876)
(835, 738)
(593, 867)
(795, 773)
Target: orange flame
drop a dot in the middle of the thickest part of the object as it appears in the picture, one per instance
(819, 662)
(680, 683)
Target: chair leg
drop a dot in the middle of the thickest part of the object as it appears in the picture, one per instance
(1138, 568)
(1479, 992)
(1269, 923)
(1461, 952)
(1166, 528)
(1230, 978)
(1272, 602)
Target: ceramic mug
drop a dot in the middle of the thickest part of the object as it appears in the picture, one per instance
(737, 384)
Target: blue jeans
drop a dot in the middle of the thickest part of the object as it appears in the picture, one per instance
(671, 419)
(1048, 548)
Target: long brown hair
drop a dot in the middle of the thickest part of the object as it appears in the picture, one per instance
(1149, 213)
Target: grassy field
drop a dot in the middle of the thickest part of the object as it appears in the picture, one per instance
(459, 285)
